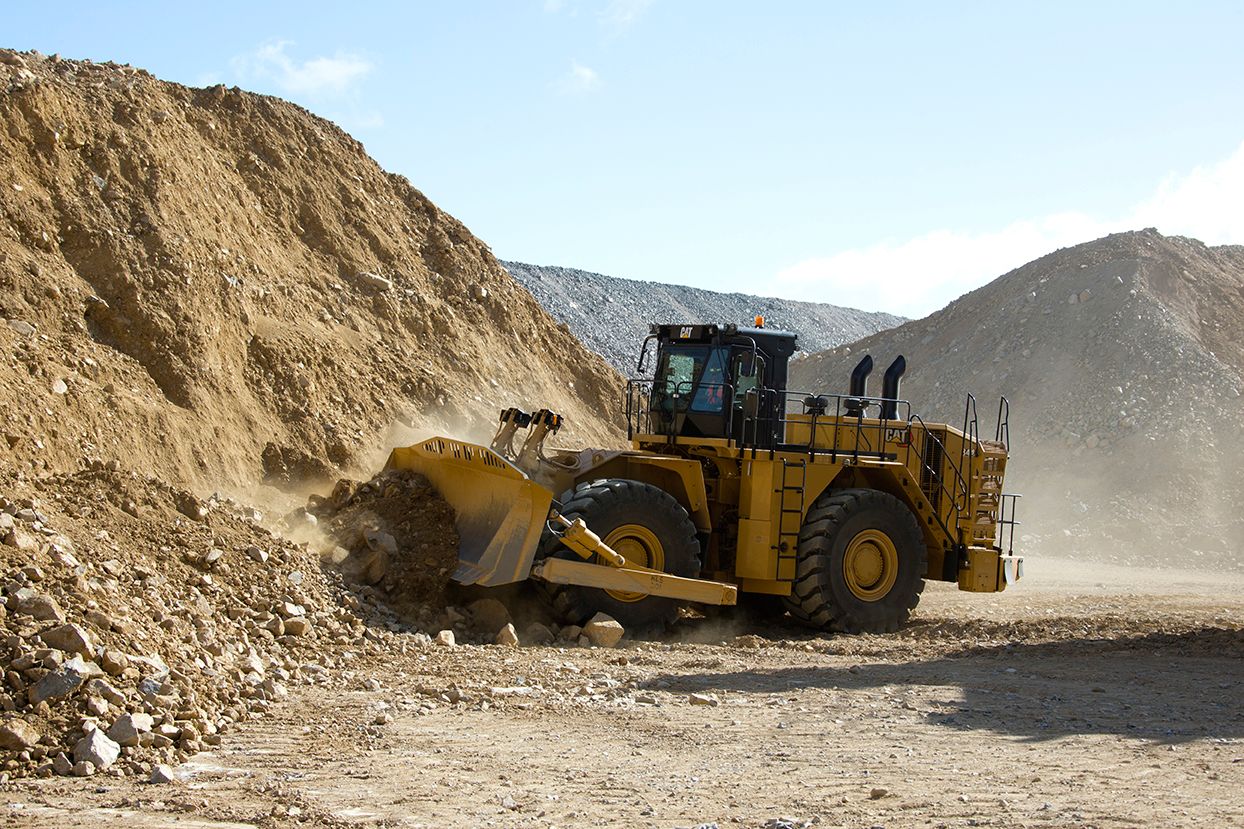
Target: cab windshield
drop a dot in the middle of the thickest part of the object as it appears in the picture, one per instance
(693, 373)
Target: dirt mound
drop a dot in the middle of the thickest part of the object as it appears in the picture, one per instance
(399, 535)
(189, 276)
(611, 315)
(1122, 361)
(141, 622)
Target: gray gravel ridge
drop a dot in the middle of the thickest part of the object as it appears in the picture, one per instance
(611, 315)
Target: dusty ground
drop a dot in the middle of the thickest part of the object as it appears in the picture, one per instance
(1086, 698)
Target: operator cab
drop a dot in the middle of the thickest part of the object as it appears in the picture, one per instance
(718, 381)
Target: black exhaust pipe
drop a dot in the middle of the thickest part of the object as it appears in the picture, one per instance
(859, 377)
(859, 387)
(889, 387)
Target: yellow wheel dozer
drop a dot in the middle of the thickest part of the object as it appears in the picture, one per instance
(841, 505)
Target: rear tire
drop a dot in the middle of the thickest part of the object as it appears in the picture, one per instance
(861, 563)
(643, 523)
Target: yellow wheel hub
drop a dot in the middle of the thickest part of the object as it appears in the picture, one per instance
(870, 565)
(641, 547)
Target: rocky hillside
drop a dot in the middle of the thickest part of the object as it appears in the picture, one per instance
(212, 285)
(612, 315)
(1124, 366)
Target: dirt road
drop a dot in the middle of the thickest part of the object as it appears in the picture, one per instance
(1085, 697)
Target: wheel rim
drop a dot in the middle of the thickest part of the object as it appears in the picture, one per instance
(640, 546)
(870, 565)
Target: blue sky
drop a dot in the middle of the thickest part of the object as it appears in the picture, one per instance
(888, 157)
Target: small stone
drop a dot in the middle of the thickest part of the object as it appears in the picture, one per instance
(22, 327)
(98, 618)
(213, 555)
(114, 661)
(507, 636)
(18, 735)
(479, 292)
(59, 386)
(129, 728)
(70, 639)
(603, 631)
(571, 633)
(162, 774)
(297, 626)
(257, 554)
(97, 749)
(703, 699)
(289, 609)
(877, 794)
(383, 718)
(61, 764)
(83, 768)
(446, 638)
(106, 692)
(375, 280)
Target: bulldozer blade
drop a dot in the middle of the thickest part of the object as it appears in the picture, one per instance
(500, 511)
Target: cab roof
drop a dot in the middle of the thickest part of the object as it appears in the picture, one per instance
(708, 332)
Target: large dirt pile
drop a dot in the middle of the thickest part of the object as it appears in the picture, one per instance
(611, 315)
(1124, 366)
(190, 276)
(141, 622)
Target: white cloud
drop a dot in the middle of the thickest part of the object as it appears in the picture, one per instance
(622, 14)
(579, 79)
(316, 77)
(917, 276)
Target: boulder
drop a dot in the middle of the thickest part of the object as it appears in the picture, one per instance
(446, 638)
(162, 774)
(97, 749)
(537, 634)
(129, 728)
(36, 604)
(603, 631)
(297, 626)
(70, 639)
(114, 661)
(18, 735)
(63, 681)
(488, 615)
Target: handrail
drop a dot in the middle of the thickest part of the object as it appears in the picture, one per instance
(1002, 434)
(956, 507)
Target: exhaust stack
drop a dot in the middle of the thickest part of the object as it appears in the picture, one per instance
(859, 387)
(859, 377)
(889, 387)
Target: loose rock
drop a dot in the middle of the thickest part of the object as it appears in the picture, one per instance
(603, 631)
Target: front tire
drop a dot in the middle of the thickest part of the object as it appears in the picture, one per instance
(861, 563)
(643, 523)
